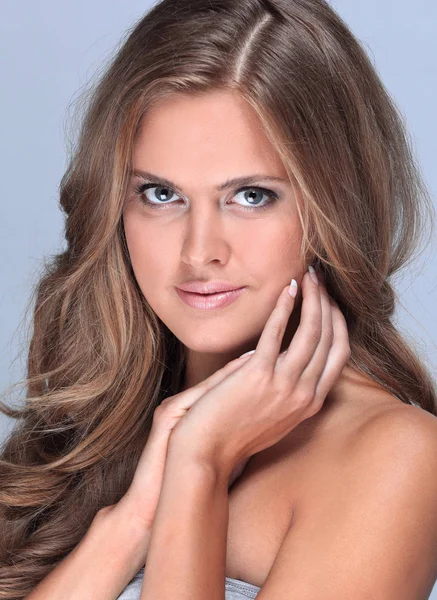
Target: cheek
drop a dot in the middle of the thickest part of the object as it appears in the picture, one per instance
(273, 250)
(150, 255)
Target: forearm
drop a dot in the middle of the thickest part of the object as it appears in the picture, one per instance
(112, 551)
(187, 553)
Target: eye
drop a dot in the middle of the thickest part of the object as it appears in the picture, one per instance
(159, 198)
(253, 195)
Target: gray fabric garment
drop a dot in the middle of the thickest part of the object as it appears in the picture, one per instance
(235, 589)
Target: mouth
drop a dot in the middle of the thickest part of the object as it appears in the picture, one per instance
(209, 301)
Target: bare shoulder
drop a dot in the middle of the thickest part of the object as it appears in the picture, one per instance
(363, 469)
(371, 430)
(366, 521)
(399, 426)
(398, 447)
(398, 443)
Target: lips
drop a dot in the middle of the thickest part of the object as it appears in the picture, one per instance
(208, 287)
(209, 301)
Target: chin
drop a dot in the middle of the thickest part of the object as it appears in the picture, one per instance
(201, 347)
(209, 338)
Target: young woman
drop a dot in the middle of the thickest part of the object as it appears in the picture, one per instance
(229, 149)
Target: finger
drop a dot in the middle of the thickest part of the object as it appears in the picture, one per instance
(311, 374)
(308, 334)
(270, 341)
(188, 397)
(338, 357)
(222, 373)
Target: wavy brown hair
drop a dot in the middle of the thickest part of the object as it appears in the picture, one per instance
(100, 360)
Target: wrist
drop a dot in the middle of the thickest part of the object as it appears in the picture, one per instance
(127, 530)
(131, 512)
(198, 456)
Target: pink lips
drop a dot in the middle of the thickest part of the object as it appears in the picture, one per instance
(209, 301)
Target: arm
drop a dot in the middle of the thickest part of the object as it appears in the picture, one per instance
(187, 553)
(115, 547)
(112, 551)
(371, 535)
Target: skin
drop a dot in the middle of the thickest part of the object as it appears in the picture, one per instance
(300, 503)
(199, 143)
(292, 522)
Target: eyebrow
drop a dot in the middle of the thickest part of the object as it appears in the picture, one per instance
(230, 183)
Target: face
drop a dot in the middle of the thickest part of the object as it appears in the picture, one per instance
(247, 235)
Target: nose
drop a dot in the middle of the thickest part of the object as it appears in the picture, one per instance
(204, 238)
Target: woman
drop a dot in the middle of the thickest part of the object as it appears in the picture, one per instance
(238, 143)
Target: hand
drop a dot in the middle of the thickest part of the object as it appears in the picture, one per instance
(269, 395)
(141, 499)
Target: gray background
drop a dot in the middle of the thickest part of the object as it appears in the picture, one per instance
(49, 50)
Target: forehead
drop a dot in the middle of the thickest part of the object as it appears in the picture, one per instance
(213, 136)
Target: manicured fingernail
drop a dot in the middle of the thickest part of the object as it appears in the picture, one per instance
(250, 352)
(313, 274)
(292, 290)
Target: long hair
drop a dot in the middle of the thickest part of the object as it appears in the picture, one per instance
(100, 360)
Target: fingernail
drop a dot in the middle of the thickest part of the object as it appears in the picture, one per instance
(313, 275)
(292, 290)
(250, 352)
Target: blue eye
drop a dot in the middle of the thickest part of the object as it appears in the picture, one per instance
(160, 198)
(252, 194)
